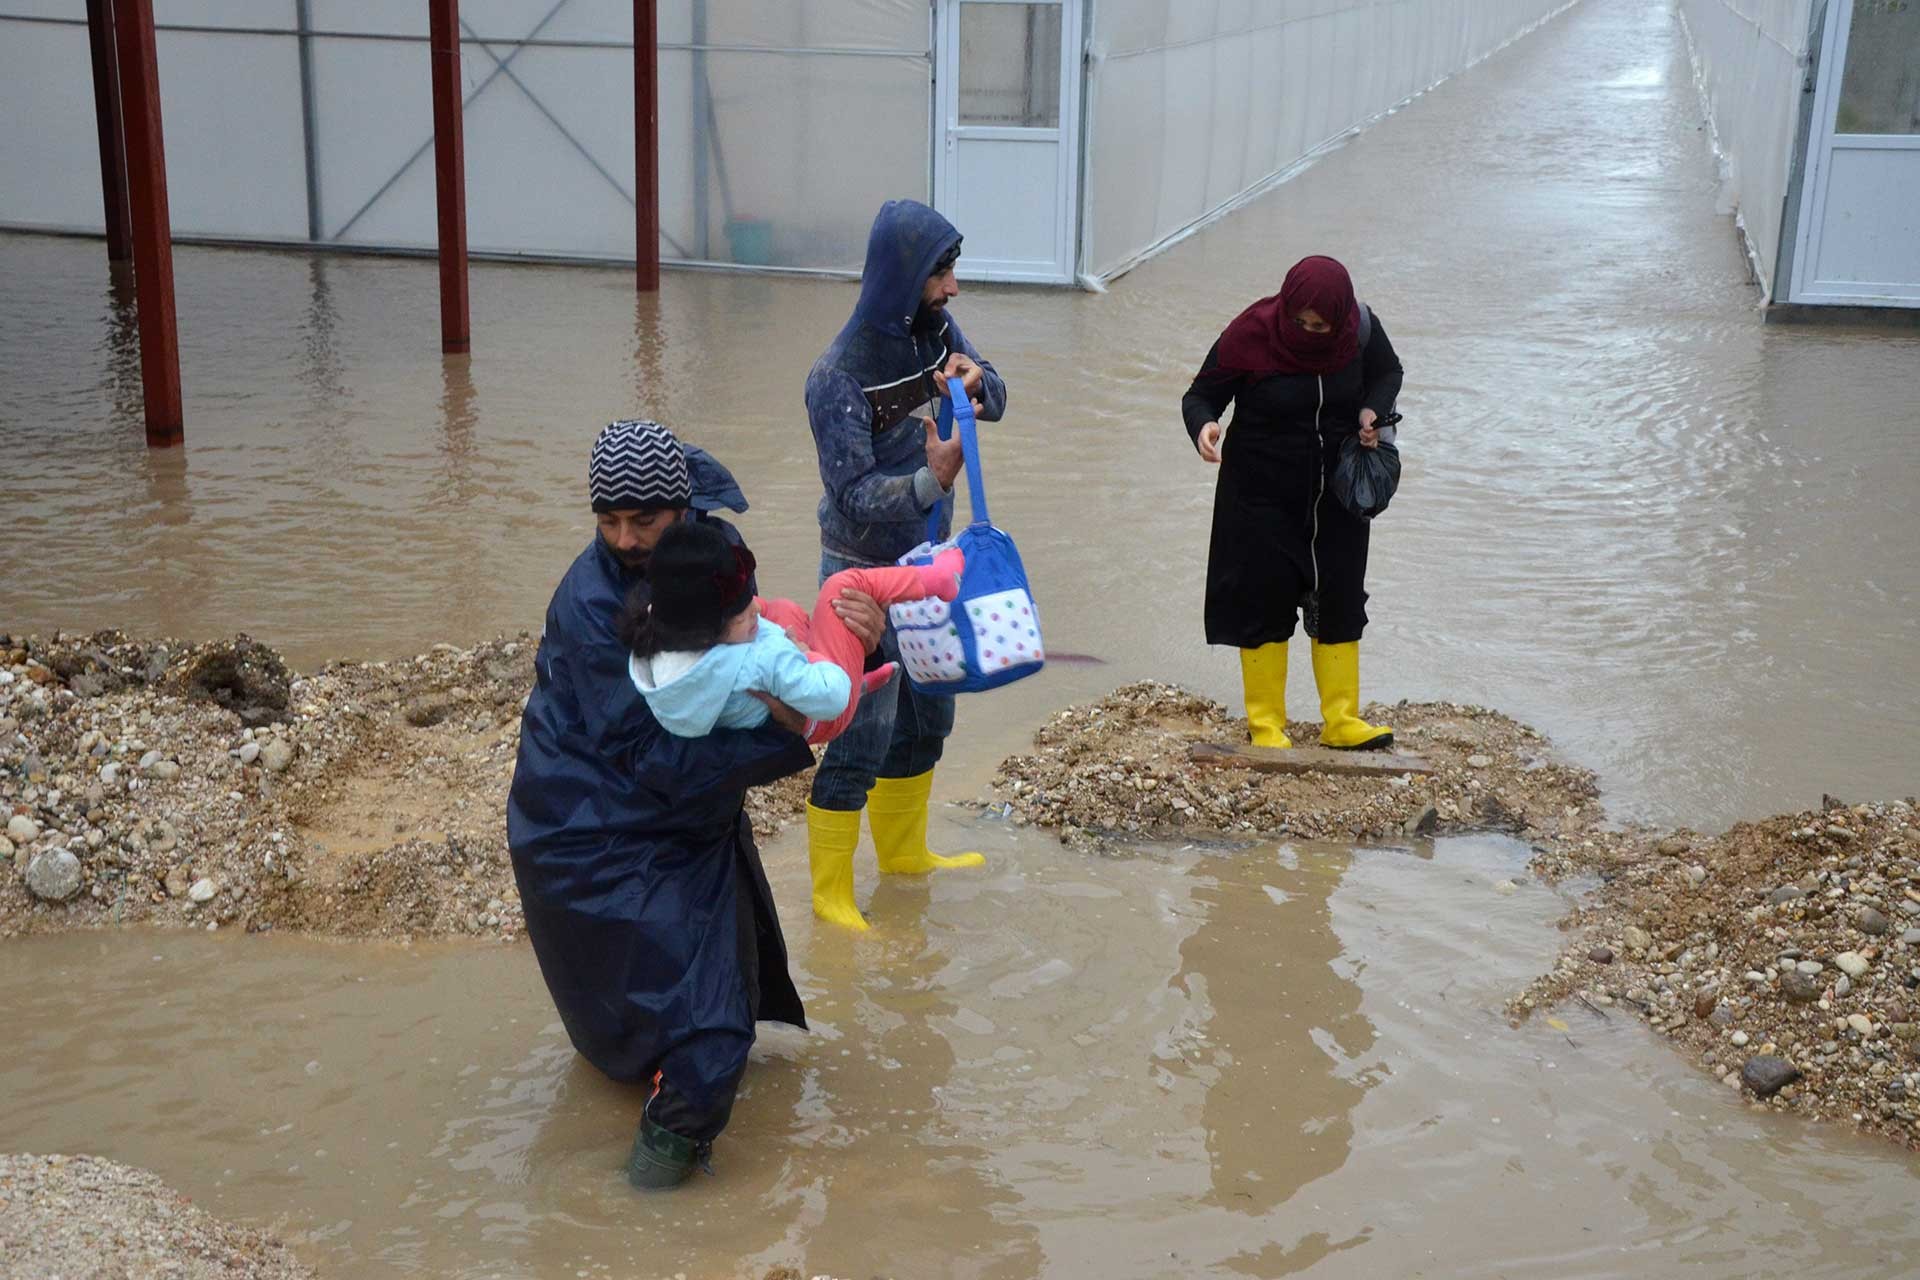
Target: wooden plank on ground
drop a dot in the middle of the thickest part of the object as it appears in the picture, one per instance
(1307, 760)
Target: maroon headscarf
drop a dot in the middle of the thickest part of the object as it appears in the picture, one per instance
(1264, 340)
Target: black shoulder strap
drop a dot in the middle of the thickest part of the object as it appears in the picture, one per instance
(1366, 325)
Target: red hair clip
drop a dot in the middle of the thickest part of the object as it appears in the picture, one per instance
(736, 583)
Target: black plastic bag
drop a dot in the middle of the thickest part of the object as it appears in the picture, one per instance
(1364, 479)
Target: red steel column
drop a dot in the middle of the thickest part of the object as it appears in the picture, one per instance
(450, 173)
(113, 138)
(646, 144)
(152, 230)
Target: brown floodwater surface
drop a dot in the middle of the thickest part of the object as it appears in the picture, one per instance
(1677, 539)
(1260, 1061)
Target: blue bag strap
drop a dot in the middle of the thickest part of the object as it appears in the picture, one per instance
(961, 407)
(969, 445)
(943, 420)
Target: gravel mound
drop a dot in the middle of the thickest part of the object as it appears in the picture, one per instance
(1794, 939)
(81, 1218)
(206, 786)
(1119, 768)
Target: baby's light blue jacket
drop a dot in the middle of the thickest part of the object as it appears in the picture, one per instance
(713, 694)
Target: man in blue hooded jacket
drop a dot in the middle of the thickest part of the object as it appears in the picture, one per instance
(645, 899)
(885, 469)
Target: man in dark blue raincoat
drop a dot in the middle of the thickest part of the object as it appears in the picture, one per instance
(884, 471)
(644, 896)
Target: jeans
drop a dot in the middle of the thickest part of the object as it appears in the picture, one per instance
(895, 732)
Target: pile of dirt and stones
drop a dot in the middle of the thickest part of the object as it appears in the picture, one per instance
(1120, 768)
(1782, 956)
(207, 785)
(78, 1216)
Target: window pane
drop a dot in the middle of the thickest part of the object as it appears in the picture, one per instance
(1880, 92)
(1010, 65)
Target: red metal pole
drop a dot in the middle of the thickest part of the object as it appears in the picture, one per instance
(113, 139)
(152, 229)
(450, 173)
(646, 144)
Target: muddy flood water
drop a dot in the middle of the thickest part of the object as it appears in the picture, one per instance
(1677, 540)
(1258, 1061)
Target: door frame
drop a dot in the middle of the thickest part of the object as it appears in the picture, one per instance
(947, 130)
(1823, 142)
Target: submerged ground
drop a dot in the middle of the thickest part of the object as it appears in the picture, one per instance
(1264, 1034)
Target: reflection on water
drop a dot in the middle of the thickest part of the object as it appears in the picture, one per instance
(322, 372)
(880, 1100)
(1269, 1074)
(120, 345)
(1264, 1062)
(1632, 514)
(460, 414)
(1675, 538)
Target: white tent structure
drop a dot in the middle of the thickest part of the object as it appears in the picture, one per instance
(1067, 138)
(1815, 106)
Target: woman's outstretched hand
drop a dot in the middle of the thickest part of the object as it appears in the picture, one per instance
(1209, 442)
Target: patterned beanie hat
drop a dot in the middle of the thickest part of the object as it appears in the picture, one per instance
(637, 464)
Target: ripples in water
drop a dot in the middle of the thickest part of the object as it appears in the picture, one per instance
(1632, 513)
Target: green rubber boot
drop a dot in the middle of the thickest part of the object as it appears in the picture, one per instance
(662, 1158)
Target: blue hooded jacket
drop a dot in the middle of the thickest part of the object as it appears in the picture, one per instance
(864, 389)
(631, 848)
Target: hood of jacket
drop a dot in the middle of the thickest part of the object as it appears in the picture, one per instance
(713, 485)
(906, 240)
(690, 702)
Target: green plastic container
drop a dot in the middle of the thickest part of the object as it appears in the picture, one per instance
(751, 241)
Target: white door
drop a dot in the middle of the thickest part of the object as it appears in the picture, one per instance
(1859, 235)
(1007, 124)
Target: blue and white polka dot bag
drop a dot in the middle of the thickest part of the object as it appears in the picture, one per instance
(990, 634)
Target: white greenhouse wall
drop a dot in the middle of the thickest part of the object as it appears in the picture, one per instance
(1191, 106)
(1750, 58)
(819, 111)
(783, 123)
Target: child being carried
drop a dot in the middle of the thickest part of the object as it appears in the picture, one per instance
(704, 644)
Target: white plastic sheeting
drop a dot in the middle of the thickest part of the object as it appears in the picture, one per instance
(1750, 56)
(49, 154)
(783, 123)
(1193, 105)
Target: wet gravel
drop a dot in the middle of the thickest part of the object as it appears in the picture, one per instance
(1119, 768)
(1782, 957)
(82, 1218)
(207, 786)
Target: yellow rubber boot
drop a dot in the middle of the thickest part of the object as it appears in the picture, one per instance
(1263, 679)
(1336, 670)
(831, 836)
(897, 812)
